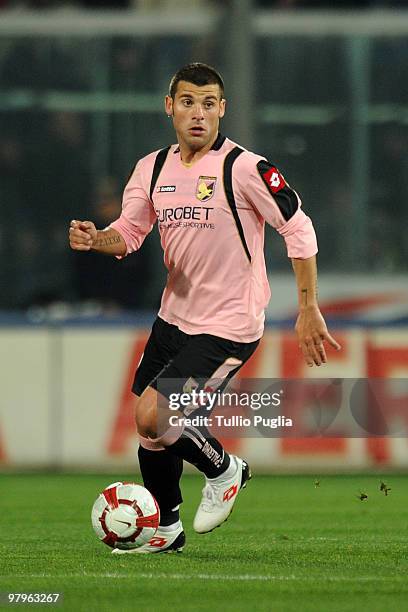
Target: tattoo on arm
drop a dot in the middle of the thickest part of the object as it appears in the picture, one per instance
(107, 241)
(304, 297)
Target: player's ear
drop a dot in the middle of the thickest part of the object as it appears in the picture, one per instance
(223, 103)
(168, 105)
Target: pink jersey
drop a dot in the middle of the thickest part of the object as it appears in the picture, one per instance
(211, 219)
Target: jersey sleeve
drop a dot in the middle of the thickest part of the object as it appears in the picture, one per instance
(280, 206)
(138, 216)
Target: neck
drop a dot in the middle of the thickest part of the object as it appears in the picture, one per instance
(190, 156)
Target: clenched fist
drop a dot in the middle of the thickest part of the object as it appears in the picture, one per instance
(82, 235)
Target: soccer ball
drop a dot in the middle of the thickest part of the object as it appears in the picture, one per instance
(125, 515)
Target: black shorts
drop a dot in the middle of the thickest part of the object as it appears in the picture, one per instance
(173, 359)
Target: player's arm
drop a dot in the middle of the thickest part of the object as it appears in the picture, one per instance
(310, 325)
(83, 236)
(280, 206)
(127, 233)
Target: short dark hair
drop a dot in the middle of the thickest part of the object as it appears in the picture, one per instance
(199, 74)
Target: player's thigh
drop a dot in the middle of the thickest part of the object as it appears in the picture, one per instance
(205, 362)
(164, 343)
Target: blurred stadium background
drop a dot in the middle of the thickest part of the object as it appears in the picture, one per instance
(320, 91)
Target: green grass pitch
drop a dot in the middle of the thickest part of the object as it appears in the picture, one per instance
(289, 545)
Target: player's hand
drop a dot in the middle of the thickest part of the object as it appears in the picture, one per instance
(82, 235)
(312, 332)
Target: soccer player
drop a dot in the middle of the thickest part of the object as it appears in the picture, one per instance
(210, 198)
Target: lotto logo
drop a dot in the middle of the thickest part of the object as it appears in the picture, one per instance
(229, 493)
(274, 179)
(157, 541)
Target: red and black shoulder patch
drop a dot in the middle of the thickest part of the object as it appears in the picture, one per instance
(284, 196)
(271, 176)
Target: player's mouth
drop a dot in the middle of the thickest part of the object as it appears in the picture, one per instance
(196, 130)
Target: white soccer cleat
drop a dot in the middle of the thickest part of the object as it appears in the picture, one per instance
(161, 542)
(219, 495)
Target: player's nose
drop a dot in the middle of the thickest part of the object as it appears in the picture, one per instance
(198, 112)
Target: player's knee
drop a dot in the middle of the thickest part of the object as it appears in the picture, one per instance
(145, 416)
(146, 426)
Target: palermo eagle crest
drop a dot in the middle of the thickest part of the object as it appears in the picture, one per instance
(205, 188)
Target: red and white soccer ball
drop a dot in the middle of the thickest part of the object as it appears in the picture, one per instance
(125, 515)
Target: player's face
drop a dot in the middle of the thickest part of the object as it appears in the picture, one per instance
(196, 113)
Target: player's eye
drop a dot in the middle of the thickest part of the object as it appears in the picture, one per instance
(187, 102)
(209, 104)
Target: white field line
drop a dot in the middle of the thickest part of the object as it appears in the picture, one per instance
(233, 578)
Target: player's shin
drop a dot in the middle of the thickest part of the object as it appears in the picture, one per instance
(197, 446)
(161, 472)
